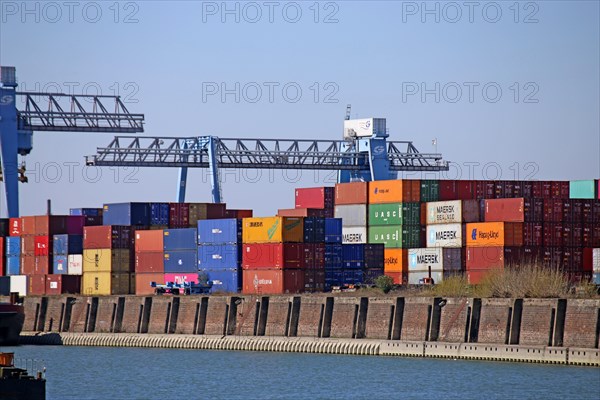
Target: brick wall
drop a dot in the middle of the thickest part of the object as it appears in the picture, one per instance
(131, 314)
(158, 320)
(186, 319)
(453, 320)
(342, 320)
(310, 314)
(536, 320)
(107, 308)
(215, 317)
(580, 323)
(379, 317)
(53, 314)
(79, 313)
(494, 317)
(277, 317)
(31, 304)
(246, 315)
(414, 323)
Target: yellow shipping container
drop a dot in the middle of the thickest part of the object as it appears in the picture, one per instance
(386, 192)
(105, 283)
(395, 260)
(273, 230)
(106, 260)
(485, 234)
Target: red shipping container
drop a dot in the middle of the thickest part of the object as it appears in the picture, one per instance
(484, 258)
(149, 262)
(61, 284)
(305, 212)
(553, 210)
(485, 190)
(595, 235)
(108, 237)
(272, 281)
(518, 189)
(238, 214)
(533, 234)
(500, 190)
(351, 193)
(49, 225)
(15, 227)
(466, 190)
(572, 259)
(564, 189)
(27, 226)
(272, 255)
(504, 210)
(399, 278)
(533, 210)
(588, 259)
(75, 224)
(27, 264)
(36, 285)
(92, 221)
(588, 211)
(546, 189)
(527, 188)
(143, 280)
(43, 265)
(568, 239)
(448, 190)
(553, 234)
(587, 239)
(475, 277)
(149, 241)
(28, 245)
(471, 211)
(576, 210)
(43, 245)
(314, 256)
(415, 190)
(317, 197)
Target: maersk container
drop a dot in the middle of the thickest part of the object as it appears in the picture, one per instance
(333, 230)
(126, 214)
(13, 265)
(18, 283)
(425, 259)
(225, 280)
(13, 245)
(353, 255)
(444, 212)
(585, 189)
(88, 212)
(354, 235)
(445, 235)
(180, 239)
(352, 214)
(333, 256)
(220, 231)
(67, 244)
(219, 256)
(181, 261)
(60, 264)
(419, 277)
(159, 213)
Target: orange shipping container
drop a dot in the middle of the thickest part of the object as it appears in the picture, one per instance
(395, 260)
(273, 281)
(149, 241)
(351, 193)
(273, 230)
(489, 234)
(142, 282)
(398, 277)
(395, 191)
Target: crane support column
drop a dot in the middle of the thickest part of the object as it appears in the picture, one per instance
(183, 171)
(9, 148)
(213, 168)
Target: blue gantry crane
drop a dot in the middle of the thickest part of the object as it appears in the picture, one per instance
(364, 154)
(50, 112)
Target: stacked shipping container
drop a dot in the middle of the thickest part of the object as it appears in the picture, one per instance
(220, 253)
(149, 260)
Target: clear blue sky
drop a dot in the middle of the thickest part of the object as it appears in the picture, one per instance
(377, 55)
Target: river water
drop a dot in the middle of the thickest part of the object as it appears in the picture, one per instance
(80, 373)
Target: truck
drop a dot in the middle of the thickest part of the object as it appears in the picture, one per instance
(186, 288)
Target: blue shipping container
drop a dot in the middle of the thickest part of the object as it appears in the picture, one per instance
(13, 265)
(228, 280)
(13, 246)
(353, 252)
(333, 230)
(220, 231)
(181, 261)
(314, 230)
(88, 212)
(219, 256)
(159, 213)
(333, 256)
(333, 277)
(60, 264)
(180, 239)
(67, 244)
(126, 214)
(353, 277)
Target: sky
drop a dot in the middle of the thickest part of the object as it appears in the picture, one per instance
(509, 90)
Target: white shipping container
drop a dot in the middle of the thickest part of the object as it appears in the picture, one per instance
(18, 283)
(444, 212)
(422, 259)
(75, 266)
(416, 277)
(364, 127)
(354, 234)
(596, 262)
(445, 235)
(352, 215)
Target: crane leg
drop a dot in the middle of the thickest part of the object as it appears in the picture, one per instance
(213, 168)
(182, 184)
(9, 149)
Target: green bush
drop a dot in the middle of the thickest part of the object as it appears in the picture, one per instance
(385, 283)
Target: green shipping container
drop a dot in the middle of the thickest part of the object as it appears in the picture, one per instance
(430, 190)
(582, 189)
(396, 236)
(394, 214)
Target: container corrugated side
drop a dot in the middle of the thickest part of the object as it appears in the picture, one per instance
(582, 189)
(354, 234)
(220, 231)
(444, 212)
(107, 260)
(487, 234)
(143, 282)
(273, 281)
(105, 283)
(60, 265)
(504, 210)
(445, 235)
(273, 230)
(149, 240)
(219, 256)
(351, 193)
(181, 261)
(75, 264)
(395, 260)
(126, 214)
(225, 280)
(180, 239)
(352, 214)
(67, 244)
(425, 259)
(18, 284)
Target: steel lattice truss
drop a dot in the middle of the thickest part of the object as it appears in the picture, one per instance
(67, 113)
(257, 153)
